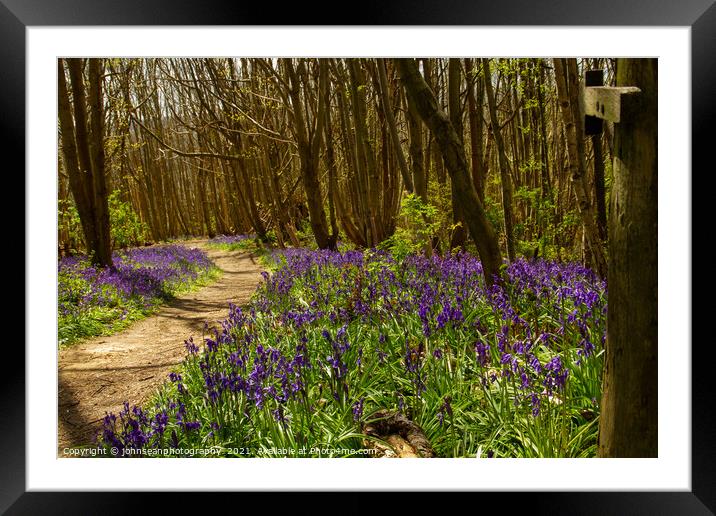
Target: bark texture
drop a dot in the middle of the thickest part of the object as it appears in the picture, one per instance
(309, 139)
(628, 423)
(397, 429)
(504, 165)
(82, 135)
(575, 148)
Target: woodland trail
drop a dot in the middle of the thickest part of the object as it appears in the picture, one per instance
(98, 375)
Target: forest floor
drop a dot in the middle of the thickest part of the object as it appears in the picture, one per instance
(98, 375)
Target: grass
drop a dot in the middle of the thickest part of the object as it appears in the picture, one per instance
(247, 243)
(94, 302)
(236, 243)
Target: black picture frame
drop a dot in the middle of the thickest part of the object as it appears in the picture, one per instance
(700, 15)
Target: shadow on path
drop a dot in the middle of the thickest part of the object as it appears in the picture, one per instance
(98, 375)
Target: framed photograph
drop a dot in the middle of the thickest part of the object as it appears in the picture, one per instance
(40, 39)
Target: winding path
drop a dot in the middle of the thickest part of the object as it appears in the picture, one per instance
(98, 375)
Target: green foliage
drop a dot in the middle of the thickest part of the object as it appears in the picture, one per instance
(98, 320)
(344, 244)
(440, 196)
(569, 220)
(126, 227)
(270, 238)
(554, 239)
(421, 222)
(539, 206)
(304, 233)
(251, 243)
(493, 211)
(528, 195)
(69, 227)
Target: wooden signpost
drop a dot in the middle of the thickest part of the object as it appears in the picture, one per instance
(628, 421)
(601, 102)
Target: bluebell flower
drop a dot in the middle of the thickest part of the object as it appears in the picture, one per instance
(358, 409)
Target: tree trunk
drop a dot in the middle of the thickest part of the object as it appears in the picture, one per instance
(433, 82)
(474, 107)
(201, 190)
(459, 234)
(353, 213)
(99, 175)
(545, 184)
(77, 176)
(567, 97)
(332, 172)
(628, 422)
(364, 150)
(84, 155)
(415, 148)
(309, 140)
(453, 154)
(502, 162)
(392, 126)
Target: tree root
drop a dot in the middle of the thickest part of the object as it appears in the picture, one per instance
(406, 439)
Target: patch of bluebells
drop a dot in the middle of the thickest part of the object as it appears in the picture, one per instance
(358, 409)
(141, 277)
(323, 318)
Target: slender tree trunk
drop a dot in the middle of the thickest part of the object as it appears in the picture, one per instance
(247, 193)
(415, 149)
(281, 205)
(392, 126)
(576, 163)
(99, 175)
(353, 212)
(433, 81)
(474, 107)
(242, 203)
(180, 209)
(629, 407)
(545, 183)
(415, 133)
(453, 153)
(459, 234)
(201, 190)
(331, 163)
(309, 140)
(364, 149)
(599, 185)
(503, 163)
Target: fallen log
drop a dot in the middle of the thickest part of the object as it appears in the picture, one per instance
(406, 438)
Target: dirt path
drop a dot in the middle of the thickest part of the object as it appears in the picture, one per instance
(98, 375)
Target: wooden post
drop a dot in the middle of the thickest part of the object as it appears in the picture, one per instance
(593, 124)
(599, 102)
(629, 406)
